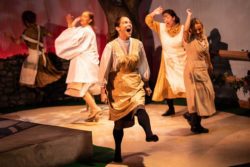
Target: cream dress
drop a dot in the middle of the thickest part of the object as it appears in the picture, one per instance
(170, 83)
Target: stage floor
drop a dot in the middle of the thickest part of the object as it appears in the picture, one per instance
(227, 143)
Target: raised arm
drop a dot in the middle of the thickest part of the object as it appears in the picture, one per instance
(70, 21)
(187, 25)
(149, 20)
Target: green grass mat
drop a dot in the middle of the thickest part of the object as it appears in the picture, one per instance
(101, 157)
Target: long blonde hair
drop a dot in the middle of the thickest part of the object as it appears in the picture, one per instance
(193, 22)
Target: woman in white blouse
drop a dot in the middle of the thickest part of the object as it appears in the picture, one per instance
(78, 44)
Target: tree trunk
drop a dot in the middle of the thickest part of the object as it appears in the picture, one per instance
(116, 8)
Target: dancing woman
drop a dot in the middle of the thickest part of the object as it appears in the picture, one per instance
(199, 88)
(124, 73)
(170, 83)
(78, 44)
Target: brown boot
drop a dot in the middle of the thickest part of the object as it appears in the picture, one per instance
(171, 110)
(188, 117)
(196, 124)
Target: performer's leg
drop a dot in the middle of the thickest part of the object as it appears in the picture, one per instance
(201, 128)
(95, 109)
(118, 135)
(170, 110)
(144, 121)
(195, 122)
(188, 117)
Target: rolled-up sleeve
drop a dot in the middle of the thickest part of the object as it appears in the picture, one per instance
(153, 25)
(105, 65)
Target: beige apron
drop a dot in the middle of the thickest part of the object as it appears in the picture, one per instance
(203, 91)
(125, 90)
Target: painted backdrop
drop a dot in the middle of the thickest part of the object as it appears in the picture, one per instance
(51, 14)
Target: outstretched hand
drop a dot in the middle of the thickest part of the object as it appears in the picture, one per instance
(69, 18)
(71, 21)
(189, 12)
(157, 11)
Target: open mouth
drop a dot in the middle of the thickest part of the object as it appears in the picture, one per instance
(128, 30)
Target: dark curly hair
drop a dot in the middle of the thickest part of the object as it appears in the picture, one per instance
(114, 34)
(172, 13)
(28, 17)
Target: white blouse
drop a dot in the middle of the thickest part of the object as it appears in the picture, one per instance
(78, 44)
(109, 60)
